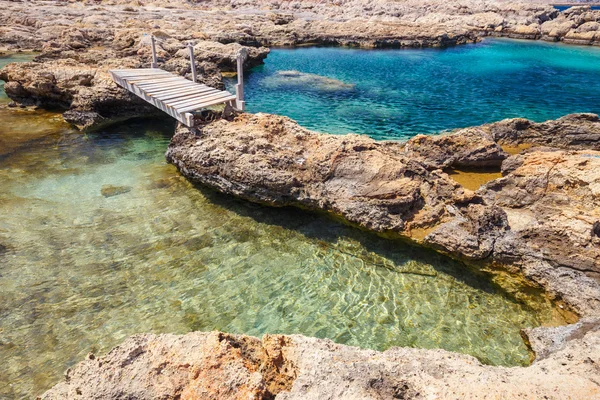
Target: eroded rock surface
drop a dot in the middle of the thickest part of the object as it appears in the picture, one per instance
(545, 206)
(216, 365)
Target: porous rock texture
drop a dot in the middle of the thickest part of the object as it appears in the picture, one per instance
(221, 366)
(546, 205)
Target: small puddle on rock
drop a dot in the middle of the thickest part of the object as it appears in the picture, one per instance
(517, 149)
(473, 179)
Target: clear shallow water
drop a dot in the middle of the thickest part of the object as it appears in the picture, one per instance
(80, 272)
(399, 93)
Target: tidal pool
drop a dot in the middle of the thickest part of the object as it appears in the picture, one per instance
(101, 239)
(391, 94)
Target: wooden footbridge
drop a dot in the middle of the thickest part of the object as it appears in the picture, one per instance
(177, 96)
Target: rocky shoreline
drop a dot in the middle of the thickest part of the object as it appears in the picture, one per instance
(526, 219)
(80, 41)
(541, 219)
(221, 366)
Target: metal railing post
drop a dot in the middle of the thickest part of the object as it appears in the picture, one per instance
(154, 59)
(192, 62)
(239, 88)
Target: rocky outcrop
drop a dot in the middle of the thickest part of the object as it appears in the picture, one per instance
(195, 366)
(410, 23)
(574, 132)
(273, 160)
(544, 206)
(217, 365)
(79, 83)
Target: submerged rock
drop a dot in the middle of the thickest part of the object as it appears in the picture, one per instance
(111, 191)
(222, 366)
(305, 81)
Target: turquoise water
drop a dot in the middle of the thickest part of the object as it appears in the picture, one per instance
(399, 93)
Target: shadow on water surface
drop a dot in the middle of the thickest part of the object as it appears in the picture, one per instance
(383, 252)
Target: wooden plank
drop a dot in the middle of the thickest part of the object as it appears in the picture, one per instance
(126, 72)
(161, 81)
(184, 98)
(208, 103)
(166, 85)
(200, 86)
(177, 96)
(149, 78)
(199, 101)
(161, 88)
(175, 92)
(141, 74)
(177, 103)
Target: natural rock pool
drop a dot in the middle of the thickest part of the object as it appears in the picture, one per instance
(101, 239)
(391, 94)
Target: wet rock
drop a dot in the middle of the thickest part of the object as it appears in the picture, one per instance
(111, 191)
(218, 365)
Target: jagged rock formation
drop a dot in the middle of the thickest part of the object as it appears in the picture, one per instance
(221, 366)
(545, 205)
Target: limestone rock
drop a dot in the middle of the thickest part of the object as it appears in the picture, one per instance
(217, 365)
(271, 159)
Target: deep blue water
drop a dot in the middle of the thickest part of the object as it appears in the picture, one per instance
(399, 93)
(563, 8)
